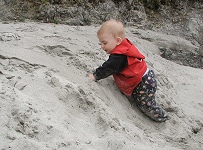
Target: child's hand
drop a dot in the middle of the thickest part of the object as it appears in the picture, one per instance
(91, 76)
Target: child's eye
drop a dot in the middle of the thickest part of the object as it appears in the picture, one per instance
(102, 43)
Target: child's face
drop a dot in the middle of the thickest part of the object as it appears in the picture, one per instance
(108, 42)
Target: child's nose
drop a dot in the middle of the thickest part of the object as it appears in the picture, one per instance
(102, 46)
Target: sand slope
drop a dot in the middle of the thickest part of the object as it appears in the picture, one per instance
(48, 102)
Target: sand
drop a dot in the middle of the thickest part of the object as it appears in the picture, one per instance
(47, 102)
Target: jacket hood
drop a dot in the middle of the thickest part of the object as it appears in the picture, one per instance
(128, 49)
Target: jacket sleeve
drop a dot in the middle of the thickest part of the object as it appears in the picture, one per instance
(113, 65)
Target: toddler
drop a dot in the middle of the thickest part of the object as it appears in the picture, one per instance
(129, 69)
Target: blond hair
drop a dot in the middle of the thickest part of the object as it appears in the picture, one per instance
(115, 27)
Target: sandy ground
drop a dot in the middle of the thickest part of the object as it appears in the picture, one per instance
(48, 103)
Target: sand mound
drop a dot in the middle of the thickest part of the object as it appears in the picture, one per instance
(48, 102)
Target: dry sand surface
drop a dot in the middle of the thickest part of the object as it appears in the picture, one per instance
(48, 103)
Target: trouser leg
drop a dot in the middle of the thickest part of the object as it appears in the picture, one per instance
(144, 96)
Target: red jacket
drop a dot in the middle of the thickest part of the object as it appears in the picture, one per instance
(131, 75)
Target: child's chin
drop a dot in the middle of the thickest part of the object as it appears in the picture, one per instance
(108, 52)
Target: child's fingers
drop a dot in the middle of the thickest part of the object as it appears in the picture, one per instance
(91, 76)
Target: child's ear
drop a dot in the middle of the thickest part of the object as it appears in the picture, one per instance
(119, 40)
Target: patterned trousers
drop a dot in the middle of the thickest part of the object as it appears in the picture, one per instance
(144, 97)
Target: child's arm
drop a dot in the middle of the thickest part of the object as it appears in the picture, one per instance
(113, 65)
